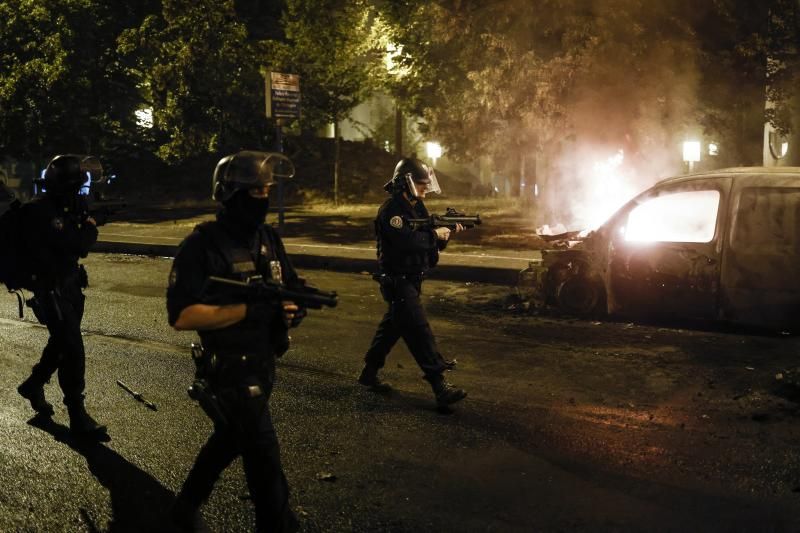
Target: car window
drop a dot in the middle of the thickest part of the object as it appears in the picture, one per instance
(686, 216)
(767, 220)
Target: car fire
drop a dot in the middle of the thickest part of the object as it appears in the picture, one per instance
(721, 246)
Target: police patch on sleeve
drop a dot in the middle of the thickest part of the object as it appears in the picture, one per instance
(58, 223)
(173, 276)
(396, 222)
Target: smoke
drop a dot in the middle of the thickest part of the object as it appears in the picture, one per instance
(631, 106)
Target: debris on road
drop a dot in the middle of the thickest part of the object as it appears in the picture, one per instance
(326, 476)
(138, 396)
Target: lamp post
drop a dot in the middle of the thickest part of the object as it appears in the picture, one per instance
(691, 153)
(434, 151)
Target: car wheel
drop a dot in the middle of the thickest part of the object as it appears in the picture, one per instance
(580, 296)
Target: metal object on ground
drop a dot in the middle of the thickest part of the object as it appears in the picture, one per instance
(138, 396)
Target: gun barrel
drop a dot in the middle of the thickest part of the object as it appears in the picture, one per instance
(438, 221)
(463, 219)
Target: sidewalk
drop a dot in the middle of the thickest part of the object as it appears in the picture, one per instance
(322, 241)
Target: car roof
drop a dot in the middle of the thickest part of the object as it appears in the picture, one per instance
(737, 172)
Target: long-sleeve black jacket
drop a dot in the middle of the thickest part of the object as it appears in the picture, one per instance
(221, 248)
(401, 248)
(55, 238)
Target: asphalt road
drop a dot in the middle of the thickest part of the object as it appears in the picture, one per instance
(569, 425)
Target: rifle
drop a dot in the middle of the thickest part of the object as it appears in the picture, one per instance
(449, 220)
(100, 208)
(103, 210)
(301, 294)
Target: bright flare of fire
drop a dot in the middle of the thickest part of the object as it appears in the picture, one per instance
(689, 216)
(609, 189)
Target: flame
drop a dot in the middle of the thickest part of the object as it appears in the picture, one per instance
(689, 216)
(609, 189)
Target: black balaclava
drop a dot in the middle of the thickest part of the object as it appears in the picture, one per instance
(246, 211)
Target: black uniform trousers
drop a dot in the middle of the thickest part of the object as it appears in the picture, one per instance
(251, 434)
(405, 318)
(61, 310)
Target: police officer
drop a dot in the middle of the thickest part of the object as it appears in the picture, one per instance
(405, 254)
(57, 232)
(241, 338)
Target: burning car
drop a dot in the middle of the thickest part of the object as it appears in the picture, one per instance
(721, 245)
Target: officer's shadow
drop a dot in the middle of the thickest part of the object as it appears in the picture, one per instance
(138, 501)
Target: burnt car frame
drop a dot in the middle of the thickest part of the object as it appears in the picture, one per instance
(730, 254)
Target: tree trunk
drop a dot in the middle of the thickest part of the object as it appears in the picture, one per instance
(336, 161)
(398, 130)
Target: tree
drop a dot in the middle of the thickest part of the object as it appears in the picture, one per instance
(63, 87)
(199, 71)
(332, 55)
(511, 79)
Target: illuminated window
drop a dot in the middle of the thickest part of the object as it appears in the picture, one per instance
(689, 216)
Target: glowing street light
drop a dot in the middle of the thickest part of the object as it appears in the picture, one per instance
(691, 153)
(434, 151)
(144, 117)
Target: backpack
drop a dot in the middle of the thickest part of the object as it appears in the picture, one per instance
(15, 272)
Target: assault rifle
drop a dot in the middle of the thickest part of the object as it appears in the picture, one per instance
(449, 220)
(102, 209)
(301, 294)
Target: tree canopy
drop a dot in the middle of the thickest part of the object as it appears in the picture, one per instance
(497, 78)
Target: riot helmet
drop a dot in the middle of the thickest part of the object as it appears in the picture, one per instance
(414, 177)
(70, 174)
(247, 170)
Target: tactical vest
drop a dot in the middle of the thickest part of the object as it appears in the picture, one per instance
(241, 263)
(393, 261)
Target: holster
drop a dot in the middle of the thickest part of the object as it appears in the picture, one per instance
(209, 402)
(38, 310)
(386, 284)
(205, 365)
(39, 307)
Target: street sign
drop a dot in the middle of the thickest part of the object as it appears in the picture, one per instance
(283, 95)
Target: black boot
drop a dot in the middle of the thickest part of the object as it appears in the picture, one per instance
(186, 517)
(369, 378)
(445, 393)
(32, 389)
(82, 425)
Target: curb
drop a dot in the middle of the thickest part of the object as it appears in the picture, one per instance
(460, 273)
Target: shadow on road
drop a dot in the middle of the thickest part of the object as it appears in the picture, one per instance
(138, 501)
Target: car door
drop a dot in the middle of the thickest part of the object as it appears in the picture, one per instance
(760, 282)
(664, 250)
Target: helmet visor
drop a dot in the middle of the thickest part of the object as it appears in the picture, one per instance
(427, 184)
(249, 169)
(92, 169)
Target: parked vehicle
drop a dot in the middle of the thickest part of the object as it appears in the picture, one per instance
(721, 245)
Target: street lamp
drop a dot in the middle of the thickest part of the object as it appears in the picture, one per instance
(144, 117)
(691, 153)
(434, 151)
